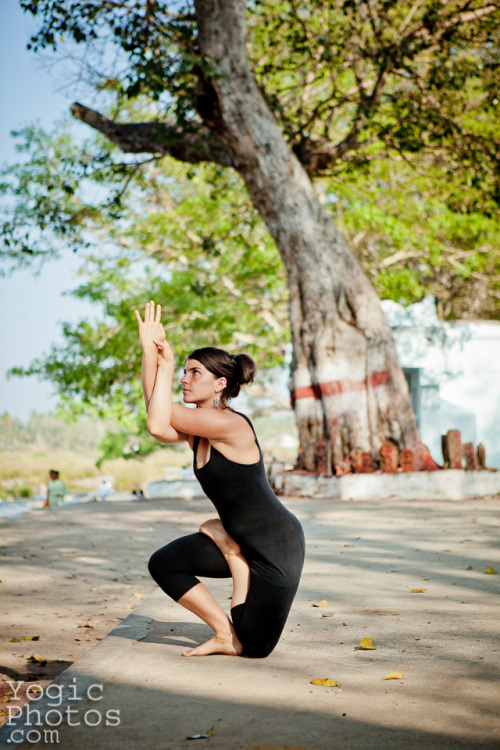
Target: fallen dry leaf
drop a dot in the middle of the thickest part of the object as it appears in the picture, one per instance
(393, 676)
(322, 603)
(367, 644)
(37, 659)
(201, 735)
(418, 591)
(324, 681)
(491, 571)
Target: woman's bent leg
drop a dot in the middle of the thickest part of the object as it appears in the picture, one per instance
(259, 613)
(174, 568)
(225, 641)
(259, 609)
(240, 570)
(259, 622)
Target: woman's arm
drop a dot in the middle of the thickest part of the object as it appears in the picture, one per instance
(149, 368)
(150, 329)
(208, 423)
(172, 423)
(168, 422)
(157, 375)
(159, 398)
(160, 407)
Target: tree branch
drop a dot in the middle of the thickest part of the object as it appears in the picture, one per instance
(157, 138)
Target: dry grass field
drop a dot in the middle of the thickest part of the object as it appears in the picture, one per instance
(24, 472)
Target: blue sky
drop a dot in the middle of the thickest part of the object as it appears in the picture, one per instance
(31, 308)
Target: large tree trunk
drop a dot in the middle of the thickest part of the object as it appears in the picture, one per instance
(347, 385)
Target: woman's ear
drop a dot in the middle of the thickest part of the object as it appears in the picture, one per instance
(221, 384)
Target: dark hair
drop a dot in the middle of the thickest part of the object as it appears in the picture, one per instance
(238, 369)
(54, 471)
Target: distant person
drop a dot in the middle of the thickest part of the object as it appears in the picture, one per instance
(105, 489)
(56, 490)
(256, 540)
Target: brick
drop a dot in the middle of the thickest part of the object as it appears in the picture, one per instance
(389, 457)
(407, 460)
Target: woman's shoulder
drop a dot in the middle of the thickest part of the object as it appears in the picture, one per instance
(240, 414)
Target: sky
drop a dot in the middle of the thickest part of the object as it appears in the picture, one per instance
(31, 307)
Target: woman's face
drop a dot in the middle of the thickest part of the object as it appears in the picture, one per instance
(199, 385)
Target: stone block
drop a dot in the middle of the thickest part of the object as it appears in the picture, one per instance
(452, 449)
(481, 456)
(469, 456)
(427, 462)
(407, 460)
(367, 463)
(389, 457)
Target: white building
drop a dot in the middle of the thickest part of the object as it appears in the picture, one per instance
(453, 370)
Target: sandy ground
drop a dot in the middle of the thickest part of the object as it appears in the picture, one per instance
(69, 575)
(417, 577)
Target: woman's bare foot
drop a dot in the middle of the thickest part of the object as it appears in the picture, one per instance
(228, 644)
(218, 534)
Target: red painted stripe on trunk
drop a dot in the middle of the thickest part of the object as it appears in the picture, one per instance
(335, 387)
(307, 391)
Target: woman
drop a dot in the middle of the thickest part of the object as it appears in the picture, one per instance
(255, 540)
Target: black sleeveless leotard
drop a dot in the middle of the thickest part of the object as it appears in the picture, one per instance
(271, 540)
(270, 537)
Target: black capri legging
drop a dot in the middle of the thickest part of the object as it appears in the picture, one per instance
(258, 622)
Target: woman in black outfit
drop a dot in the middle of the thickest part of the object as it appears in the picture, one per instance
(255, 540)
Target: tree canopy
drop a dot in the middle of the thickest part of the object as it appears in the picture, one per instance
(390, 106)
(348, 80)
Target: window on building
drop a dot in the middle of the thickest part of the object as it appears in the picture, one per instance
(412, 375)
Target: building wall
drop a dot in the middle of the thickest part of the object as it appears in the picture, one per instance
(458, 378)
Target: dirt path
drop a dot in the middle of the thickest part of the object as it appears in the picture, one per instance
(69, 575)
(416, 577)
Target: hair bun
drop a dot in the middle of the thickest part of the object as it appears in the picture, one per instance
(246, 367)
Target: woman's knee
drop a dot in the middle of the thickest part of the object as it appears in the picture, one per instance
(259, 651)
(256, 642)
(152, 565)
(159, 562)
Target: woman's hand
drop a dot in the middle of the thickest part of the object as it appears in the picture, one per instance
(150, 329)
(165, 353)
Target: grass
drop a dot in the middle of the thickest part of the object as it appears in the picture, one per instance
(27, 469)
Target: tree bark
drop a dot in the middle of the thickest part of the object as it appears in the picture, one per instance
(157, 138)
(346, 383)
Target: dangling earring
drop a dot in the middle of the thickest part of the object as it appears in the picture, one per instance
(216, 401)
